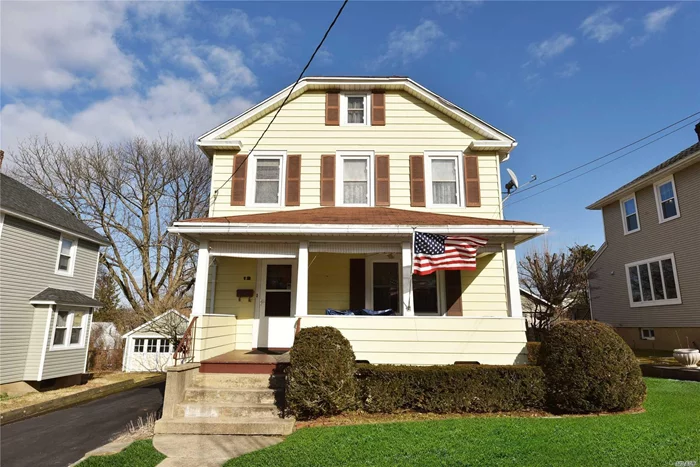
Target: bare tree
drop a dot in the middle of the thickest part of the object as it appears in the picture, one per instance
(130, 192)
(559, 279)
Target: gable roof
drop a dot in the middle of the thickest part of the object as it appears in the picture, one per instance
(494, 139)
(157, 318)
(20, 200)
(63, 297)
(684, 158)
(532, 296)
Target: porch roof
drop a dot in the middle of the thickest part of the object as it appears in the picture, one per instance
(355, 220)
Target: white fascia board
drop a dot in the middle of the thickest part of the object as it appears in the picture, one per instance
(154, 320)
(52, 226)
(291, 229)
(53, 302)
(597, 255)
(207, 146)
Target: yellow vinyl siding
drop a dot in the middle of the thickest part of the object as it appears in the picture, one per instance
(215, 335)
(412, 127)
(230, 274)
(484, 290)
(329, 282)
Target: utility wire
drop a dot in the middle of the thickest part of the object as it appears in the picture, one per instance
(601, 165)
(604, 155)
(318, 47)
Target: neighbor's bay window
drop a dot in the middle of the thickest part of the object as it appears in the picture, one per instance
(69, 329)
(653, 282)
(266, 181)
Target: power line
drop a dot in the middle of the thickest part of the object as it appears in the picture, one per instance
(605, 155)
(601, 165)
(318, 47)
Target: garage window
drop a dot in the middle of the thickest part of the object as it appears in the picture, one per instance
(139, 345)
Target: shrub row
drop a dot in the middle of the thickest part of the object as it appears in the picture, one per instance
(449, 389)
(533, 352)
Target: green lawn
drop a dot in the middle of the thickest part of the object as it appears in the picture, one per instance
(138, 454)
(669, 431)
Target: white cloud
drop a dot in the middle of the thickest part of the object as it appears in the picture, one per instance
(600, 25)
(455, 7)
(269, 53)
(405, 46)
(172, 106)
(569, 70)
(656, 20)
(547, 49)
(55, 46)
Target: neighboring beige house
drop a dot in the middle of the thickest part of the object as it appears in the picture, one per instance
(150, 347)
(48, 268)
(321, 215)
(645, 278)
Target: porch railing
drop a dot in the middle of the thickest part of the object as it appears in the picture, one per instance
(185, 349)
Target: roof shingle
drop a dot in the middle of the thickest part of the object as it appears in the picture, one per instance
(65, 297)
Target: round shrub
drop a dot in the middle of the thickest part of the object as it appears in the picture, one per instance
(589, 368)
(321, 374)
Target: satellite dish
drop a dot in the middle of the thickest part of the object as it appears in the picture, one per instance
(513, 183)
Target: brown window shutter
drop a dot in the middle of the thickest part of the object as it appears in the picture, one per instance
(381, 175)
(292, 197)
(357, 283)
(417, 172)
(378, 108)
(240, 164)
(332, 108)
(472, 190)
(328, 180)
(453, 292)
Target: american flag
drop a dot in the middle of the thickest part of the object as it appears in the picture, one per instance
(432, 252)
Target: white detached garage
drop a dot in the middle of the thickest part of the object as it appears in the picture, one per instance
(150, 347)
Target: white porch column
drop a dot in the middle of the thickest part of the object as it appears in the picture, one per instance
(201, 280)
(406, 270)
(302, 302)
(514, 305)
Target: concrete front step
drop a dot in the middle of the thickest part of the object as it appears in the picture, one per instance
(192, 410)
(238, 380)
(226, 426)
(253, 396)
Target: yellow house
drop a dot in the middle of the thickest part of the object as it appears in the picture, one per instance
(320, 214)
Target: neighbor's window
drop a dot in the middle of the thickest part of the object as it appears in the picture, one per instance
(139, 345)
(353, 180)
(152, 346)
(69, 328)
(630, 219)
(666, 200)
(354, 108)
(653, 282)
(648, 334)
(66, 255)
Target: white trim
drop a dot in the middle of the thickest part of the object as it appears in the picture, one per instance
(651, 336)
(54, 302)
(69, 330)
(624, 214)
(341, 156)
(459, 177)
(42, 359)
(72, 258)
(302, 280)
(533, 296)
(515, 306)
(201, 280)
(252, 182)
(2, 222)
(387, 83)
(68, 232)
(133, 331)
(87, 340)
(657, 197)
(653, 301)
(406, 278)
(344, 108)
(253, 249)
(369, 278)
(212, 297)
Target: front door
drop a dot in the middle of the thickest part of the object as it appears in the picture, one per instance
(276, 303)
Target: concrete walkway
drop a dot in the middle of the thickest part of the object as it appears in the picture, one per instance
(208, 450)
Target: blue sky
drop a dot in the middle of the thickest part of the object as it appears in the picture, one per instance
(569, 80)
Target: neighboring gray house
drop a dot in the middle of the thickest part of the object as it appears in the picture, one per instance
(48, 267)
(645, 278)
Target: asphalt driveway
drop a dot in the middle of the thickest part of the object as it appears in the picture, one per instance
(63, 437)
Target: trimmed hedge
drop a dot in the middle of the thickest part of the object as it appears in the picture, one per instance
(450, 389)
(533, 352)
(321, 374)
(589, 368)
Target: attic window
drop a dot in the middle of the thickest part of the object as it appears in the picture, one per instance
(354, 109)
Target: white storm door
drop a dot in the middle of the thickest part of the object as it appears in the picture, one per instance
(276, 304)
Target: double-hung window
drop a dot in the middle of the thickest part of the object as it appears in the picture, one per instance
(653, 282)
(442, 174)
(354, 109)
(67, 248)
(355, 174)
(666, 199)
(69, 330)
(266, 170)
(630, 218)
